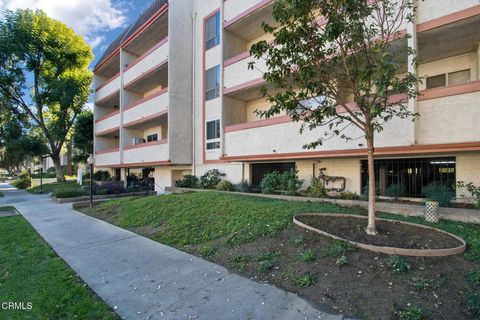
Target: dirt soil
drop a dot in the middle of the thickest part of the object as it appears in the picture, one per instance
(364, 288)
(391, 234)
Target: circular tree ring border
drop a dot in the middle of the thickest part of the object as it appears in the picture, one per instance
(387, 250)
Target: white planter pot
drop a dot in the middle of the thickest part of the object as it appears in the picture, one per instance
(432, 211)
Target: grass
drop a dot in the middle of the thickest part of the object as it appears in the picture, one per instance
(55, 187)
(31, 272)
(199, 217)
(305, 280)
(307, 256)
(1, 194)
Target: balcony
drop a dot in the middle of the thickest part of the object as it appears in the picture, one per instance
(107, 124)
(109, 157)
(108, 89)
(431, 9)
(147, 63)
(150, 153)
(237, 76)
(147, 108)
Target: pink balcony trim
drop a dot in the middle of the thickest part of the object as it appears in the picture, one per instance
(108, 151)
(146, 73)
(107, 82)
(146, 144)
(447, 91)
(136, 164)
(107, 97)
(244, 86)
(104, 132)
(395, 98)
(136, 103)
(237, 58)
(257, 124)
(449, 18)
(152, 49)
(145, 119)
(247, 12)
(107, 116)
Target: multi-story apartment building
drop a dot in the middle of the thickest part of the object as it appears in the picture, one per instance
(174, 96)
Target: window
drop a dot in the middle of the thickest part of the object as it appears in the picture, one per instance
(213, 134)
(212, 31)
(212, 89)
(450, 79)
(152, 137)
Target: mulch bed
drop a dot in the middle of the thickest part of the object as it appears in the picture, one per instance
(390, 233)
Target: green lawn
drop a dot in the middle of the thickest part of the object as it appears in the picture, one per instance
(55, 186)
(31, 272)
(1, 194)
(194, 218)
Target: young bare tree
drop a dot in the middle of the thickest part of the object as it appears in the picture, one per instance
(338, 65)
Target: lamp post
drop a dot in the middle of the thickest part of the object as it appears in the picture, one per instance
(91, 161)
(41, 173)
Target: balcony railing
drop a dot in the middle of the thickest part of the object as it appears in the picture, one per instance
(236, 10)
(147, 107)
(108, 88)
(107, 123)
(431, 9)
(144, 64)
(238, 75)
(110, 157)
(146, 153)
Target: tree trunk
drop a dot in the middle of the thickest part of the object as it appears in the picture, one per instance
(69, 159)
(58, 166)
(371, 228)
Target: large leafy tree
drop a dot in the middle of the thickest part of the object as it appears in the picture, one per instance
(44, 74)
(83, 136)
(336, 65)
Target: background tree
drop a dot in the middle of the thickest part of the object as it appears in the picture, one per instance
(328, 53)
(83, 136)
(44, 74)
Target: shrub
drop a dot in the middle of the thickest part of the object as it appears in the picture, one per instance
(307, 256)
(243, 186)
(339, 248)
(68, 193)
(305, 280)
(188, 181)
(102, 175)
(472, 189)
(410, 314)
(225, 185)
(24, 181)
(347, 195)
(111, 187)
(437, 191)
(317, 188)
(398, 264)
(287, 181)
(211, 178)
(395, 191)
(341, 261)
(266, 261)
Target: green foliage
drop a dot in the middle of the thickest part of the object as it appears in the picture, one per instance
(225, 185)
(23, 182)
(437, 191)
(68, 193)
(343, 260)
(241, 258)
(347, 195)
(299, 240)
(82, 136)
(211, 178)
(102, 175)
(31, 271)
(472, 189)
(410, 314)
(1, 194)
(188, 181)
(421, 283)
(207, 251)
(307, 256)
(339, 248)
(317, 188)
(473, 303)
(395, 191)
(287, 182)
(44, 58)
(243, 186)
(398, 264)
(53, 187)
(305, 280)
(266, 261)
(474, 277)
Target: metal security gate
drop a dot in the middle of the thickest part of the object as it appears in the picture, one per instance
(259, 170)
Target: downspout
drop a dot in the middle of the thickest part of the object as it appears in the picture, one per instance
(194, 21)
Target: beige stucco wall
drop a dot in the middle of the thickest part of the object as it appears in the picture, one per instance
(432, 9)
(468, 170)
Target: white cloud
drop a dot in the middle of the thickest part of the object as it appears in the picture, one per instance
(86, 17)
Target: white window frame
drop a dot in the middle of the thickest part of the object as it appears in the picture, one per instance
(215, 140)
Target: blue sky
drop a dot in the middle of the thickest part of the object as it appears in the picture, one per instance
(98, 21)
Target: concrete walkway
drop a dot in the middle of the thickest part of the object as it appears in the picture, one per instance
(142, 279)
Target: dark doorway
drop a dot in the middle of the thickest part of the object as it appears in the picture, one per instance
(413, 174)
(259, 170)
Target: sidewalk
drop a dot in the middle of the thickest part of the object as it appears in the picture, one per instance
(143, 279)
